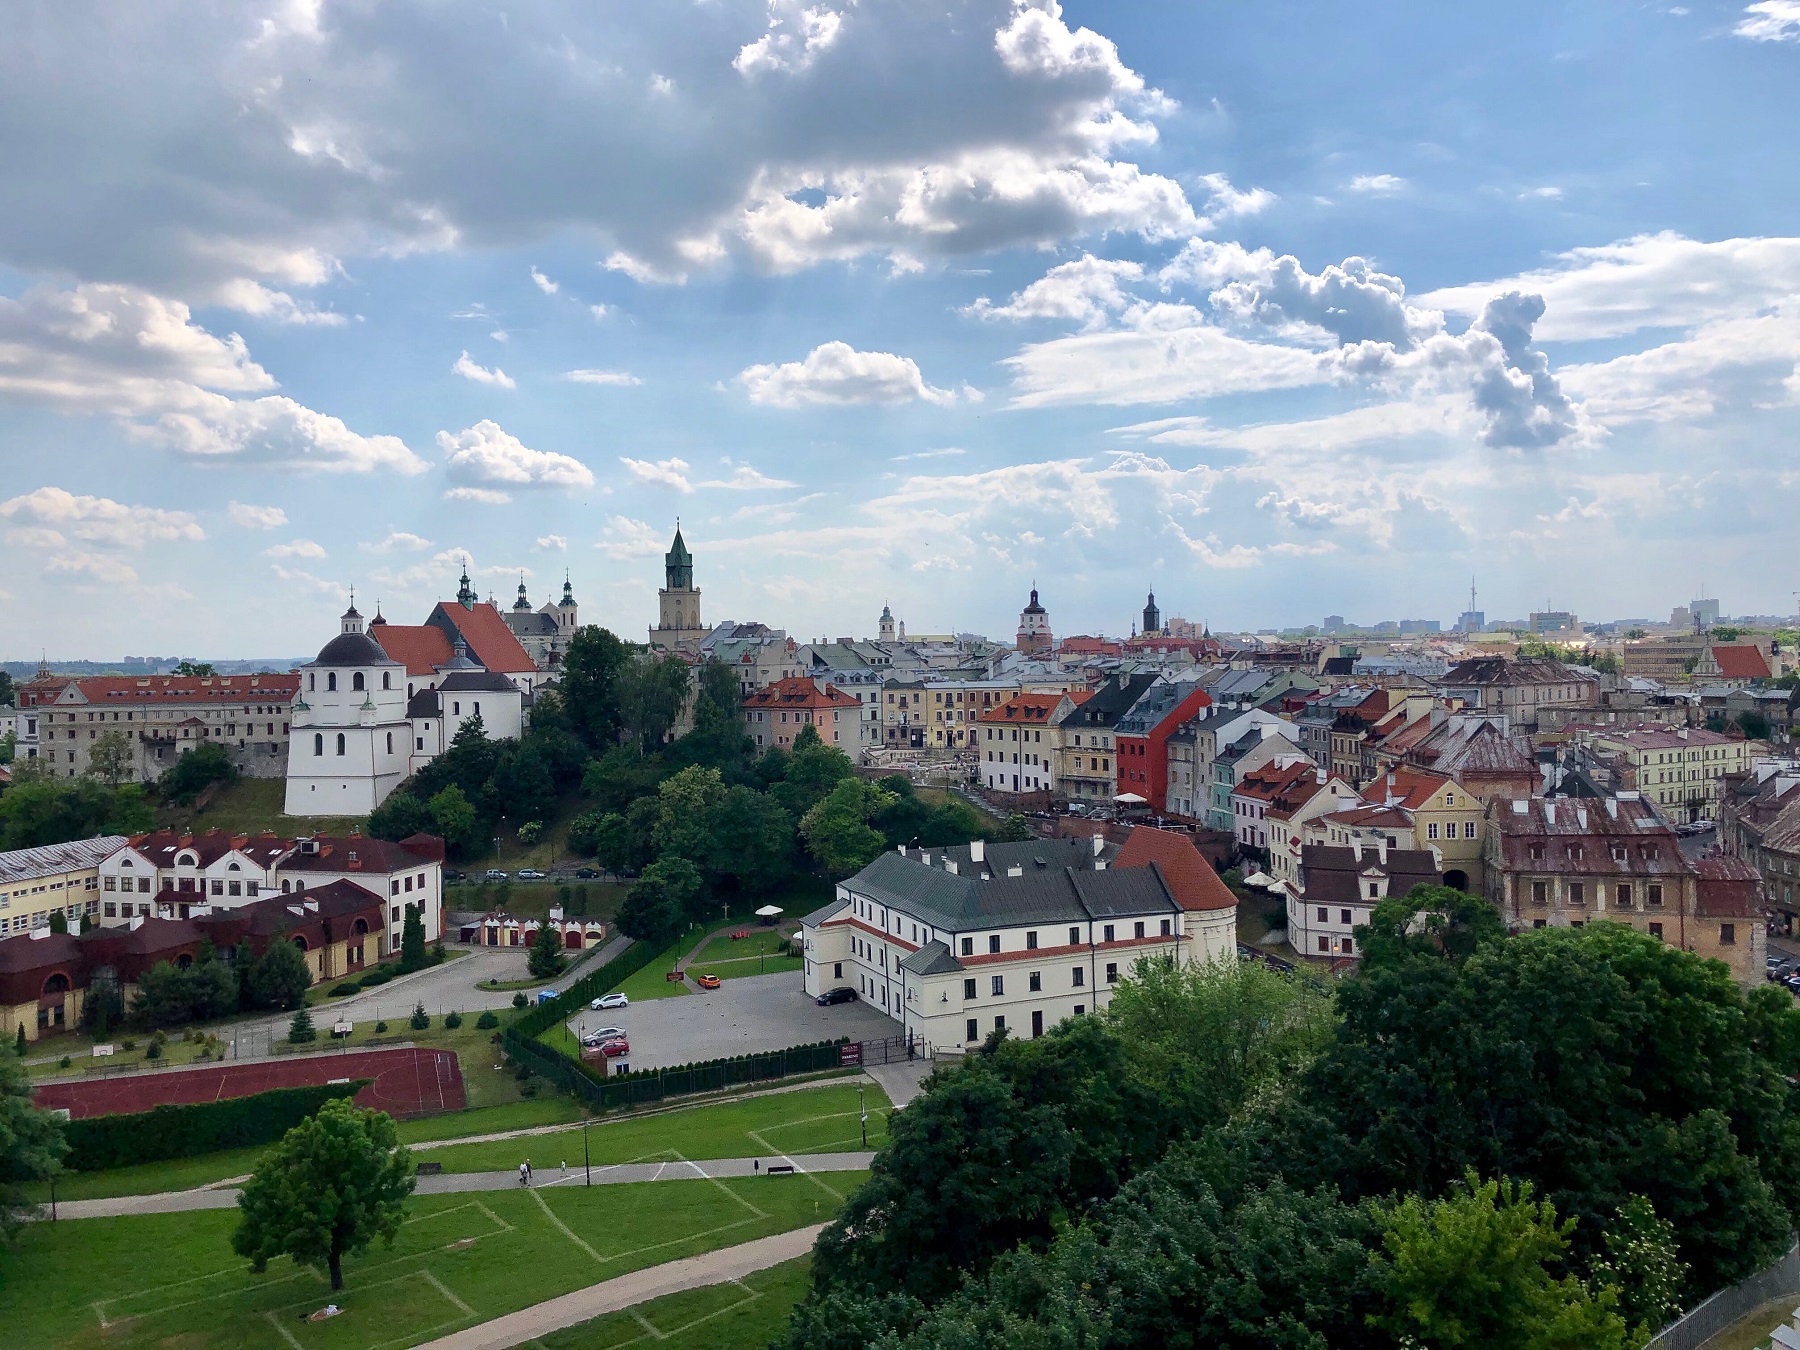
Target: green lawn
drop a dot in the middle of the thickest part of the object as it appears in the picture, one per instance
(750, 1312)
(651, 981)
(171, 1280)
(755, 942)
(252, 806)
(816, 1120)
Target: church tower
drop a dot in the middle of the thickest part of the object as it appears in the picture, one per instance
(887, 624)
(1152, 616)
(1034, 629)
(678, 602)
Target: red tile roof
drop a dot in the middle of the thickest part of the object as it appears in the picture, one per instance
(797, 691)
(117, 689)
(490, 641)
(1189, 877)
(421, 649)
(358, 853)
(1269, 782)
(1741, 662)
(1022, 708)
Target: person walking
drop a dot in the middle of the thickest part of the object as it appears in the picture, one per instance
(524, 1174)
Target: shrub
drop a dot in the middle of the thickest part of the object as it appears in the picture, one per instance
(486, 1022)
(100, 1142)
(153, 1051)
(128, 1045)
(419, 1021)
(520, 1001)
(65, 1062)
(301, 1029)
(344, 990)
(381, 1028)
(452, 1021)
(371, 978)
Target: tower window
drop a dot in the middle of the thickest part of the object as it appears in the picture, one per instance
(331, 682)
(318, 743)
(356, 682)
(340, 743)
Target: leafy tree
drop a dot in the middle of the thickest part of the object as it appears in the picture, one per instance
(1754, 725)
(584, 833)
(752, 841)
(31, 1144)
(545, 961)
(652, 692)
(38, 809)
(59, 922)
(617, 778)
(1641, 1266)
(301, 1029)
(110, 757)
(280, 977)
(1476, 1269)
(1015, 829)
(837, 830)
(530, 832)
(401, 816)
(953, 821)
(591, 671)
(165, 996)
(1725, 632)
(656, 908)
(813, 769)
(8, 695)
(412, 941)
(522, 787)
(454, 821)
(9, 745)
(197, 770)
(195, 669)
(104, 1007)
(904, 820)
(329, 1189)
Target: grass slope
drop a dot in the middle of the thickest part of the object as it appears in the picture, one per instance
(749, 1312)
(251, 806)
(172, 1280)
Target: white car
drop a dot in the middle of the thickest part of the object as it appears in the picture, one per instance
(613, 1000)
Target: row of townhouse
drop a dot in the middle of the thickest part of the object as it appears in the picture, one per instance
(956, 944)
(1759, 823)
(113, 880)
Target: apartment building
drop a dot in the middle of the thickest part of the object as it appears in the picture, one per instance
(1088, 766)
(1339, 887)
(1681, 769)
(1017, 742)
(775, 715)
(52, 879)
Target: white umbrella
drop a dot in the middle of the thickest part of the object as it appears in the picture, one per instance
(1130, 799)
(1258, 879)
(768, 911)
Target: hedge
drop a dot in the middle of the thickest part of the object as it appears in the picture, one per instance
(542, 1016)
(614, 1093)
(164, 1132)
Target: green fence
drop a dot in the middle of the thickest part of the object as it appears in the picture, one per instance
(163, 1132)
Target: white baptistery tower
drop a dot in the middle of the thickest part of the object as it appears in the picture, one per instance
(351, 741)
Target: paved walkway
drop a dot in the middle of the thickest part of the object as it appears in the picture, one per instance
(674, 1277)
(224, 1195)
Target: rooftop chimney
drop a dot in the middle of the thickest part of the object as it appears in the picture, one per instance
(1099, 844)
(950, 865)
(977, 850)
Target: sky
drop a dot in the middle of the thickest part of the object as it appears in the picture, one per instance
(1281, 309)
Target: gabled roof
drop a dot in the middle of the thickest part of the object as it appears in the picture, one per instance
(933, 958)
(161, 848)
(28, 864)
(490, 641)
(359, 853)
(421, 648)
(115, 690)
(797, 691)
(1020, 709)
(1741, 662)
(1189, 877)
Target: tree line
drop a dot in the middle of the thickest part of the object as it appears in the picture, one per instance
(1545, 1141)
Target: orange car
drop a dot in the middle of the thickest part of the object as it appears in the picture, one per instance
(707, 981)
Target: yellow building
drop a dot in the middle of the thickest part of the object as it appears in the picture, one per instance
(1680, 769)
(53, 878)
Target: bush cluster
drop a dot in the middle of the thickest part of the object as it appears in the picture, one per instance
(101, 1142)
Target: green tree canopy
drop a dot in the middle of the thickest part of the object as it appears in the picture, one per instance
(545, 961)
(38, 809)
(412, 941)
(110, 757)
(334, 1185)
(195, 669)
(192, 773)
(837, 829)
(31, 1144)
(591, 671)
(656, 908)
(652, 692)
(454, 820)
(280, 977)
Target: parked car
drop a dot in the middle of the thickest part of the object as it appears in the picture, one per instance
(530, 874)
(451, 874)
(495, 874)
(617, 1046)
(594, 1039)
(586, 873)
(707, 981)
(613, 1000)
(842, 994)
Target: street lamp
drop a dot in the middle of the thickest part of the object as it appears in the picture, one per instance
(863, 1110)
(586, 1161)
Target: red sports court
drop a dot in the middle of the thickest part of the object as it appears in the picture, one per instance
(405, 1082)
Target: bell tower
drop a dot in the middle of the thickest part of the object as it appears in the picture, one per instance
(678, 602)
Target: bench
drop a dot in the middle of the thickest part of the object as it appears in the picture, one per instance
(773, 1168)
(430, 1169)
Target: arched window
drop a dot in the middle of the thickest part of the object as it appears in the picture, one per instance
(340, 742)
(387, 680)
(312, 681)
(183, 961)
(331, 681)
(390, 737)
(356, 682)
(300, 942)
(318, 743)
(56, 984)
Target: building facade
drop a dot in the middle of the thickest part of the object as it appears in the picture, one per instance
(53, 879)
(678, 602)
(776, 714)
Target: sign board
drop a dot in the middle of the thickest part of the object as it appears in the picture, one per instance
(102, 1050)
(850, 1053)
(342, 1028)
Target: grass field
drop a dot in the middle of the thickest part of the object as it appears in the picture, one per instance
(251, 806)
(172, 1280)
(750, 1312)
(816, 1120)
(651, 981)
(755, 942)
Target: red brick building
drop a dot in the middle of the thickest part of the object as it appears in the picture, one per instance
(1142, 736)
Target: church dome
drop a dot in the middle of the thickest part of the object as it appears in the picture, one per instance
(353, 649)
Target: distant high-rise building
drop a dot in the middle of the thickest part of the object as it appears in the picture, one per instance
(1334, 623)
(1554, 621)
(1705, 612)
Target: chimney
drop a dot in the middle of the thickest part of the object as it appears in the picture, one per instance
(1320, 774)
(1612, 808)
(902, 849)
(1099, 844)
(977, 850)
(950, 865)
(1356, 847)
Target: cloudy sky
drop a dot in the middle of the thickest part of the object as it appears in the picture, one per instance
(1281, 310)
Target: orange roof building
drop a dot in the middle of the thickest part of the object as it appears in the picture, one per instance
(776, 714)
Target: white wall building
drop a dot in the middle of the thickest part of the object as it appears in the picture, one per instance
(352, 741)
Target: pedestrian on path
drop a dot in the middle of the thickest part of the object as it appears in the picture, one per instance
(756, 1166)
(524, 1174)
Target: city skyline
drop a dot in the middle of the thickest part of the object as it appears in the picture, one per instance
(893, 309)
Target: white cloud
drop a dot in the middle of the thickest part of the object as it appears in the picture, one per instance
(627, 539)
(93, 569)
(399, 540)
(1648, 281)
(543, 283)
(298, 548)
(835, 373)
(1156, 365)
(256, 517)
(469, 370)
(478, 496)
(1770, 21)
(1087, 291)
(798, 35)
(140, 359)
(552, 543)
(620, 378)
(101, 520)
(599, 312)
(669, 473)
(307, 581)
(1744, 361)
(1546, 193)
(944, 453)
(1227, 202)
(1380, 184)
(746, 479)
(484, 453)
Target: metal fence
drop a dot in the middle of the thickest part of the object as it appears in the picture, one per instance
(1706, 1320)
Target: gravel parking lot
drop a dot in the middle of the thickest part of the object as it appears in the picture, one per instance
(757, 1012)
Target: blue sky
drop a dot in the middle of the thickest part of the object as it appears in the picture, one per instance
(1281, 309)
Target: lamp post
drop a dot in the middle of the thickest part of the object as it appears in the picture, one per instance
(586, 1161)
(863, 1110)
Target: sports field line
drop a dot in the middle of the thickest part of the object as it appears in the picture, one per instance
(644, 1322)
(701, 1172)
(676, 1242)
(280, 1330)
(790, 1161)
(567, 1231)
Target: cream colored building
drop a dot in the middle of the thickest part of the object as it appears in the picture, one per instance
(53, 878)
(1680, 769)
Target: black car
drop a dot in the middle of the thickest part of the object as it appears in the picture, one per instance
(450, 874)
(842, 994)
(586, 873)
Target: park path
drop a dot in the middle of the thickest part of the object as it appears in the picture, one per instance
(640, 1286)
(225, 1195)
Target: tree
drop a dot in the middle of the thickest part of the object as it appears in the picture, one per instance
(31, 1144)
(617, 778)
(1641, 1266)
(953, 821)
(455, 821)
(403, 815)
(104, 1007)
(591, 670)
(546, 959)
(110, 757)
(656, 908)
(165, 996)
(301, 1029)
(1754, 725)
(196, 669)
(329, 1189)
(652, 692)
(837, 830)
(752, 841)
(718, 739)
(38, 809)
(530, 832)
(412, 941)
(1475, 1269)
(197, 770)
(19, 1042)
(59, 922)
(8, 696)
(684, 807)
(1015, 829)
(280, 977)
(522, 787)
(813, 769)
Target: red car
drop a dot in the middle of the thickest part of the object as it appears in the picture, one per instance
(617, 1046)
(707, 981)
